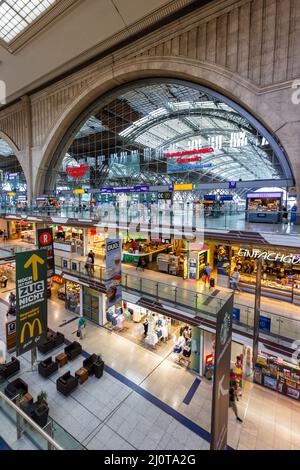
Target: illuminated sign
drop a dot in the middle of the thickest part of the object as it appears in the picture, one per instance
(269, 256)
(78, 191)
(176, 168)
(188, 159)
(77, 171)
(183, 187)
(188, 152)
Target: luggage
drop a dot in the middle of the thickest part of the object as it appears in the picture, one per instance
(212, 282)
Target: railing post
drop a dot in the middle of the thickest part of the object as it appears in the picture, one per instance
(18, 419)
(175, 296)
(141, 285)
(196, 297)
(157, 291)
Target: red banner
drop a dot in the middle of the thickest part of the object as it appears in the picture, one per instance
(188, 159)
(77, 171)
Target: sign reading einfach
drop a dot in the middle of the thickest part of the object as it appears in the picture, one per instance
(269, 256)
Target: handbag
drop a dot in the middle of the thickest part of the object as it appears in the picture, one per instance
(186, 351)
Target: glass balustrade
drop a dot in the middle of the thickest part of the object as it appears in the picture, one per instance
(219, 219)
(16, 425)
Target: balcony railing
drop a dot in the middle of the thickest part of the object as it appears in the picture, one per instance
(121, 217)
(283, 330)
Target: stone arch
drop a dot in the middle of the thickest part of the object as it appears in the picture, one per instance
(20, 155)
(10, 142)
(256, 101)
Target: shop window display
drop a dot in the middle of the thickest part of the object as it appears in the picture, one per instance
(70, 293)
(280, 280)
(278, 375)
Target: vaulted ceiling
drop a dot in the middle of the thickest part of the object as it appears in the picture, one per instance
(41, 39)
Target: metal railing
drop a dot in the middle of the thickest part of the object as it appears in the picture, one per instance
(51, 437)
(193, 303)
(223, 218)
(282, 330)
(25, 425)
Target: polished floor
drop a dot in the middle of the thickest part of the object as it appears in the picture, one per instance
(139, 403)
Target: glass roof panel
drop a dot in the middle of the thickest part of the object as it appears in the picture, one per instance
(5, 149)
(16, 15)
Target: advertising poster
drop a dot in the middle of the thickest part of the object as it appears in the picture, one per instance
(113, 282)
(31, 290)
(220, 404)
(45, 242)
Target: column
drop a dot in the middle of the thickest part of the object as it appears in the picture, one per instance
(85, 241)
(257, 311)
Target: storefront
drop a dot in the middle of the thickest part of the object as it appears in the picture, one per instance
(7, 275)
(241, 360)
(157, 332)
(21, 230)
(264, 207)
(69, 293)
(136, 248)
(276, 374)
(69, 239)
(93, 305)
(280, 273)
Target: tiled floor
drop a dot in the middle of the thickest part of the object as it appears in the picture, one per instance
(110, 414)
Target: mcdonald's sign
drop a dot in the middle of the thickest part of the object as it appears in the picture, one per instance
(31, 330)
(31, 290)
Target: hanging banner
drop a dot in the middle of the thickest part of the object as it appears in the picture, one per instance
(113, 282)
(45, 242)
(220, 404)
(31, 290)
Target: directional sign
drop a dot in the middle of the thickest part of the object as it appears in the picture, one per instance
(31, 290)
(220, 404)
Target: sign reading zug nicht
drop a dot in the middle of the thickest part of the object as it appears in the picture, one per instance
(31, 290)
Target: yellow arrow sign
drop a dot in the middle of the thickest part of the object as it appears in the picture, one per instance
(34, 260)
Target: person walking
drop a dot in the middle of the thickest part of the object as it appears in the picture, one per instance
(92, 256)
(233, 398)
(81, 327)
(89, 265)
(235, 280)
(5, 236)
(206, 275)
(284, 215)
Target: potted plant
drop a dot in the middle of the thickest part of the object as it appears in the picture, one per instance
(98, 367)
(41, 410)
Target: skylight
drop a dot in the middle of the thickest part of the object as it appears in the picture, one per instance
(16, 15)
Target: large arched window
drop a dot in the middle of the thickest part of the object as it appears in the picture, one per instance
(13, 187)
(165, 132)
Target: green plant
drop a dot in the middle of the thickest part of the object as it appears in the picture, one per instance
(42, 398)
(99, 360)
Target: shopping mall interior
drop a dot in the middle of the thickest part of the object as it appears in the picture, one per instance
(149, 182)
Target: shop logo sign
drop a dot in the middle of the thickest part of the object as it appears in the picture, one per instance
(31, 330)
(269, 256)
(77, 171)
